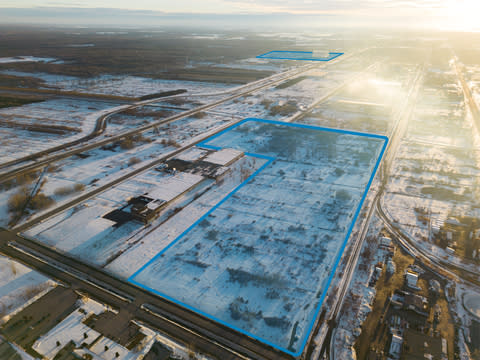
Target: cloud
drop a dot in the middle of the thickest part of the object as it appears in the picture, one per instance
(309, 13)
(337, 6)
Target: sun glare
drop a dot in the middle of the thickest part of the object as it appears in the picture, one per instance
(463, 15)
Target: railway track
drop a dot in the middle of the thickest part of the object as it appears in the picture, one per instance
(403, 115)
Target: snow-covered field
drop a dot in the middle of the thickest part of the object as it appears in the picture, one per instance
(19, 285)
(303, 94)
(102, 165)
(367, 104)
(261, 260)
(16, 59)
(125, 248)
(359, 301)
(132, 86)
(77, 116)
(462, 313)
(284, 228)
(436, 173)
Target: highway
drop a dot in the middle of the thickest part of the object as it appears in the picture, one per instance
(192, 328)
(105, 115)
(472, 104)
(46, 157)
(397, 132)
(442, 267)
(26, 225)
(180, 323)
(301, 114)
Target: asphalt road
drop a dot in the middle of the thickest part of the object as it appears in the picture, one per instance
(42, 158)
(180, 323)
(397, 132)
(152, 164)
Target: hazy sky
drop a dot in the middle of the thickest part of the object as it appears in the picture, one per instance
(235, 6)
(441, 13)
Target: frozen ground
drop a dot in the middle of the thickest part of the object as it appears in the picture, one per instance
(300, 92)
(436, 170)
(8, 60)
(123, 249)
(102, 165)
(71, 119)
(463, 316)
(18, 286)
(132, 86)
(368, 103)
(471, 300)
(359, 300)
(260, 261)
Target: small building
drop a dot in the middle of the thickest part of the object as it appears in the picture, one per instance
(375, 275)
(385, 241)
(412, 278)
(148, 206)
(416, 303)
(435, 286)
(450, 250)
(437, 222)
(453, 222)
(212, 164)
(398, 298)
(390, 266)
(396, 346)
(224, 157)
(449, 236)
(477, 233)
(144, 208)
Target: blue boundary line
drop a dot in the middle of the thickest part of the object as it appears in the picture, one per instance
(267, 163)
(332, 55)
(230, 194)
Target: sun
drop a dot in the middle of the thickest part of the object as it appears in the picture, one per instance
(462, 15)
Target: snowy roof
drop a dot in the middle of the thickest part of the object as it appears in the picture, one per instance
(221, 171)
(453, 221)
(169, 187)
(224, 156)
(396, 345)
(71, 328)
(412, 274)
(385, 240)
(155, 204)
(192, 154)
(412, 278)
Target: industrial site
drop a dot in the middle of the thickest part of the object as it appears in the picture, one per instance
(246, 195)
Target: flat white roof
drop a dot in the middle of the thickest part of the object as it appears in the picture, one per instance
(223, 156)
(191, 154)
(169, 187)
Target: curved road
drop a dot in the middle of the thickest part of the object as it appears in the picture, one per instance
(186, 325)
(105, 114)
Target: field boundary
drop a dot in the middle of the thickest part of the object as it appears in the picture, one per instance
(297, 55)
(269, 159)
